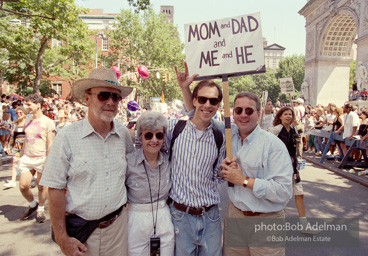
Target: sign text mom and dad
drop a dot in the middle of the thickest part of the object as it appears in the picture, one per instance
(231, 47)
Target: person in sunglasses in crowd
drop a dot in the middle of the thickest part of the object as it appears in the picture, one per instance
(195, 159)
(261, 172)
(88, 158)
(148, 185)
(39, 135)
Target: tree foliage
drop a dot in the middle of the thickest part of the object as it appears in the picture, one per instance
(255, 83)
(30, 55)
(140, 5)
(292, 66)
(289, 67)
(352, 73)
(146, 39)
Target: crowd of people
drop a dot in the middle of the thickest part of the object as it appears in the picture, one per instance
(123, 181)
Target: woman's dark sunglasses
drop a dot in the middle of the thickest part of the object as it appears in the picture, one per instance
(149, 135)
(203, 100)
(248, 111)
(104, 96)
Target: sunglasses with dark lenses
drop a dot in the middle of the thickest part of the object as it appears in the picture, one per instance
(104, 96)
(149, 135)
(203, 100)
(248, 111)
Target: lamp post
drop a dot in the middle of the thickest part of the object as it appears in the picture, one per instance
(99, 35)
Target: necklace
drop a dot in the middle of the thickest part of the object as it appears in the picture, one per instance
(158, 196)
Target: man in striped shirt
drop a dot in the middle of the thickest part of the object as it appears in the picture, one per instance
(194, 195)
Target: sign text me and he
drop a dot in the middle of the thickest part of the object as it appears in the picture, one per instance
(230, 46)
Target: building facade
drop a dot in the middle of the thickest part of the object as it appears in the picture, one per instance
(273, 54)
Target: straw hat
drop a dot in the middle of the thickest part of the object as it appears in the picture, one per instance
(99, 77)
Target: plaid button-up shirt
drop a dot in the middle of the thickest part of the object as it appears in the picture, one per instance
(93, 168)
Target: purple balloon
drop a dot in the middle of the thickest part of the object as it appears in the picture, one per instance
(133, 106)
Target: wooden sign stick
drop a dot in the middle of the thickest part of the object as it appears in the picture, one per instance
(225, 92)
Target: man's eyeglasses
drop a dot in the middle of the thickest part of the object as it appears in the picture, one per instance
(213, 101)
(248, 111)
(149, 135)
(104, 96)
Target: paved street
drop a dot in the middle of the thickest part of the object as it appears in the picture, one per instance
(327, 195)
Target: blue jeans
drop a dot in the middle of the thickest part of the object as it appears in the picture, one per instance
(318, 143)
(197, 235)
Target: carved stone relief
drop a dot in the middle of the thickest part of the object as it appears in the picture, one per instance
(365, 19)
(310, 44)
(355, 5)
(318, 12)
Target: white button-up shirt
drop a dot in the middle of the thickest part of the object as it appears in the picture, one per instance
(264, 157)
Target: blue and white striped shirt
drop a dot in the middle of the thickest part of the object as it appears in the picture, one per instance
(194, 181)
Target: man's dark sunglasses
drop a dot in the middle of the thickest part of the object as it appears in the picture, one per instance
(104, 96)
(149, 135)
(203, 100)
(248, 111)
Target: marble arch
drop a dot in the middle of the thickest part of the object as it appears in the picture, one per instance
(332, 27)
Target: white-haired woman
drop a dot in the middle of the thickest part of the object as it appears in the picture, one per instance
(148, 184)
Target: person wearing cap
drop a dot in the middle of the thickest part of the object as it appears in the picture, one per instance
(299, 110)
(88, 158)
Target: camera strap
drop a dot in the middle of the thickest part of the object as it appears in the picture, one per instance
(154, 222)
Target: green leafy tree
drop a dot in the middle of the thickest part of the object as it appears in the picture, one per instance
(352, 73)
(147, 39)
(140, 5)
(292, 66)
(29, 47)
(255, 83)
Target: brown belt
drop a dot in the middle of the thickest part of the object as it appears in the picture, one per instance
(106, 223)
(250, 213)
(192, 210)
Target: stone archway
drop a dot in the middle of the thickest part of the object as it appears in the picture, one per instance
(332, 27)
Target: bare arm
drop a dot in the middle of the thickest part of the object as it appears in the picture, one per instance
(68, 245)
(50, 140)
(354, 132)
(184, 81)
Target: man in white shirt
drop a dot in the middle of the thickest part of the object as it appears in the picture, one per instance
(350, 126)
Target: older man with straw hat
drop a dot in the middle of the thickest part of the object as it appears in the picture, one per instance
(88, 158)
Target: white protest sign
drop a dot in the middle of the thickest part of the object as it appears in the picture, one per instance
(287, 85)
(231, 47)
